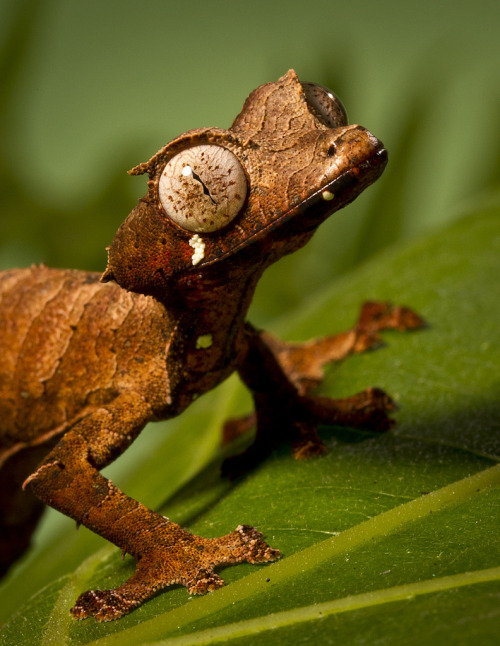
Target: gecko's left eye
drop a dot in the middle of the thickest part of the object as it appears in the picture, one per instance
(203, 188)
(325, 105)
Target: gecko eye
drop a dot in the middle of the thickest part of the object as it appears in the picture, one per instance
(203, 188)
(325, 105)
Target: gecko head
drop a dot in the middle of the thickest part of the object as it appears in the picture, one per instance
(234, 201)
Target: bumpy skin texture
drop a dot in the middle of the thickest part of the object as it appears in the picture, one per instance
(87, 361)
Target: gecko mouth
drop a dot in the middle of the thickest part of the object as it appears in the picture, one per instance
(340, 191)
(307, 215)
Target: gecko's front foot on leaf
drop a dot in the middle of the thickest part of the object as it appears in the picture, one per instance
(190, 562)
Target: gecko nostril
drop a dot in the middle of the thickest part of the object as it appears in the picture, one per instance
(332, 149)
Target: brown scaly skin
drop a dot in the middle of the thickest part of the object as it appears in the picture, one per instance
(87, 361)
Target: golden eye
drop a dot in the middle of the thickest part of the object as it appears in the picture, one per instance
(325, 105)
(203, 188)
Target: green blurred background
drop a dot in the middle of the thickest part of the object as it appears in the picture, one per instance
(91, 88)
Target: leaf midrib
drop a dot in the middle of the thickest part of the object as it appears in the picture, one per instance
(320, 610)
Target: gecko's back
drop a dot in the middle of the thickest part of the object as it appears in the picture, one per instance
(67, 347)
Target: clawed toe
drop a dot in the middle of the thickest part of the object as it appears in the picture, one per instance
(204, 581)
(104, 605)
(254, 549)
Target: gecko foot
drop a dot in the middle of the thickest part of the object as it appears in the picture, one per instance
(177, 557)
(368, 410)
(297, 420)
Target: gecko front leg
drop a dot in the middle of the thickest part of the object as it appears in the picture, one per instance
(282, 375)
(304, 363)
(69, 480)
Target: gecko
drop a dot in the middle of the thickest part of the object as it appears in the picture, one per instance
(88, 359)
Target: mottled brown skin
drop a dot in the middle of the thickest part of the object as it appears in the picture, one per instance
(87, 361)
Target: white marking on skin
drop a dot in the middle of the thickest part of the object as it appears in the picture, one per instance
(199, 249)
(204, 341)
(327, 195)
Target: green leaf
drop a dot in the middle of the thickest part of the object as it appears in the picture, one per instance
(389, 538)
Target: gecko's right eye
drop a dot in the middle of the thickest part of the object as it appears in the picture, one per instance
(325, 105)
(203, 188)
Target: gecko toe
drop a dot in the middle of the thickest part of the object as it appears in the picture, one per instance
(104, 605)
(204, 581)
